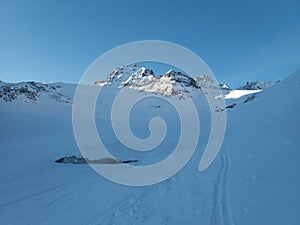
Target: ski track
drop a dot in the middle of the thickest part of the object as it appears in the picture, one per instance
(36, 194)
(59, 193)
(130, 210)
(58, 189)
(221, 212)
(107, 213)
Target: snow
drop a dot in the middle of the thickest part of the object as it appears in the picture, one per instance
(254, 179)
(143, 79)
(239, 93)
(225, 87)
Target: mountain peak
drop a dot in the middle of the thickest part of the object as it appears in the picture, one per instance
(144, 79)
(258, 85)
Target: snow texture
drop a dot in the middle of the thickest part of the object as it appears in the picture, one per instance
(254, 179)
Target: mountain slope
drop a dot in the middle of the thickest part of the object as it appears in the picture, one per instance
(32, 91)
(252, 181)
(263, 140)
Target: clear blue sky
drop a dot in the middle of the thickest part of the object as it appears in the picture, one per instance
(57, 40)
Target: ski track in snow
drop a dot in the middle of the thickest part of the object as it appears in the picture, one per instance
(60, 194)
(221, 212)
(107, 213)
(131, 210)
(36, 194)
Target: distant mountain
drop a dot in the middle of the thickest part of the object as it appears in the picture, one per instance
(205, 81)
(258, 85)
(32, 91)
(170, 83)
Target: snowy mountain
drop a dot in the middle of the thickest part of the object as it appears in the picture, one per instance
(258, 85)
(254, 179)
(143, 79)
(32, 91)
(205, 81)
(171, 83)
(178, 84)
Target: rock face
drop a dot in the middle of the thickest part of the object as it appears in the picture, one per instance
(171, 83)
(80, 160)
(258, 85)
(31, 92)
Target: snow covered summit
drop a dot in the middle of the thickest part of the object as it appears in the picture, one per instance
(143, 79)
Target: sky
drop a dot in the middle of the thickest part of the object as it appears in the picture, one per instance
(239, 40)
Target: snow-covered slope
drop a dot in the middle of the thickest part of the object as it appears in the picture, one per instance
(32, 91)
(239, 93)
(263, 142)
(254, 180)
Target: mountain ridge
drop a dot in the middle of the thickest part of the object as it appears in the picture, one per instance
(172, 83)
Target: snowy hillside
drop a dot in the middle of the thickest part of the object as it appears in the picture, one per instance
(254, 179)
(32, 91)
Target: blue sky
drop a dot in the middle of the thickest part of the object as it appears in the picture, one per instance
(240, 40)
